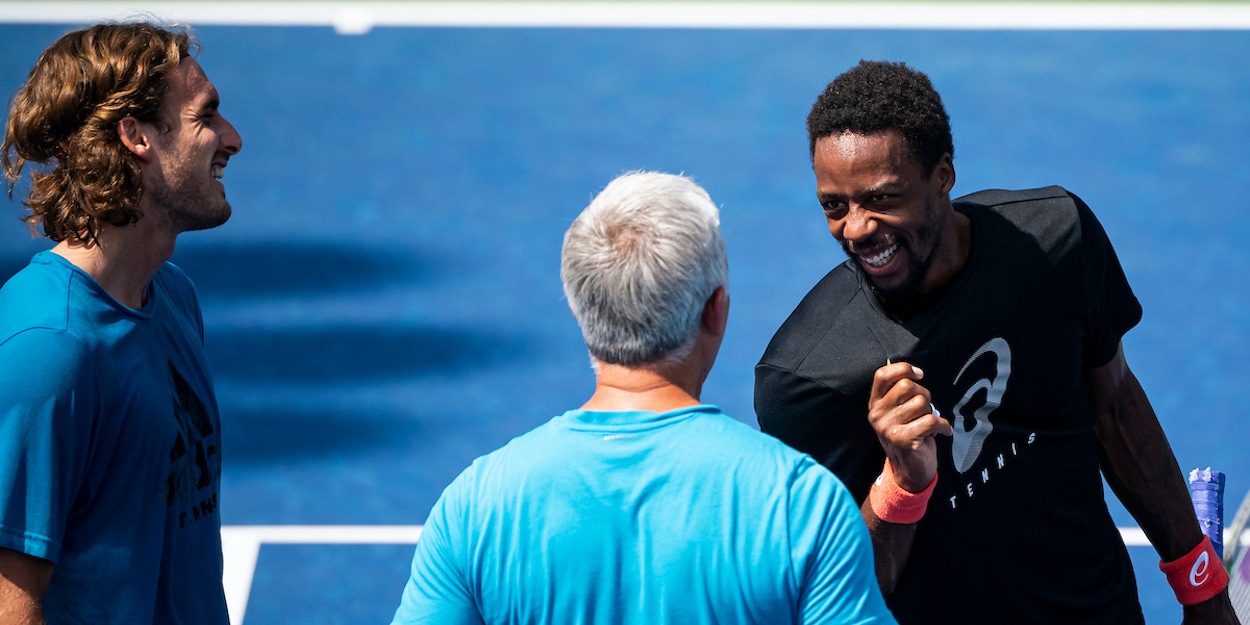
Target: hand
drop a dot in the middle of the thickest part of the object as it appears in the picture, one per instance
(1214, 611)
(900, 412)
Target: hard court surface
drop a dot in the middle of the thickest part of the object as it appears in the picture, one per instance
(385, 303)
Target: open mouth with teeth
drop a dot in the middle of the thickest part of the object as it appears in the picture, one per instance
(880, 259)
(217, 171)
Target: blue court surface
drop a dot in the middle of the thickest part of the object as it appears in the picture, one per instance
(385, 304)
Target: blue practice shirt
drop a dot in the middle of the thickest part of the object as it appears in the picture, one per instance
(637, 518)
(110, 453)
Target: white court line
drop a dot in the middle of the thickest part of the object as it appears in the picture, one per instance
(240, 545)
(361, 17)
(1134, 537)
(239, 550)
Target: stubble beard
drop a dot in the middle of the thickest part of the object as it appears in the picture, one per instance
(907, 295)
(190, 204)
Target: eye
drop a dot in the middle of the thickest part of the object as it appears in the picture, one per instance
(834, 209)
(208, 113)
(880, 197)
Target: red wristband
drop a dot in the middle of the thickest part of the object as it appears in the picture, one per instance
(1198, 575)
(892, 504)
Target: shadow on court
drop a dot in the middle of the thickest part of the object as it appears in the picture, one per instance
(356, 354)
(265, 436)
(284, 268)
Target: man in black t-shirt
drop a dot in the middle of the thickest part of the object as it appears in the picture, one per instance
(972, 350)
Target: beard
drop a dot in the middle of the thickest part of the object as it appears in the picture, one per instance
(920, 247)
(191, 202)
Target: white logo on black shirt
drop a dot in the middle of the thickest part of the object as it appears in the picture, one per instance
(966, 446)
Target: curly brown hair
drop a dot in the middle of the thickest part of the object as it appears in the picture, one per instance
(81, 87)
(878, 95)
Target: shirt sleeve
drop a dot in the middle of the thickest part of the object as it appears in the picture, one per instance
(832, 553)
(1111, 308)
(49, 400)
(439, 591)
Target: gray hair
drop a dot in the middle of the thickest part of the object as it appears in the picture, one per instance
(639, 264)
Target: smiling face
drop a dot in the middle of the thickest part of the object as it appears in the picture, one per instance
(895, 222)
(191, 152)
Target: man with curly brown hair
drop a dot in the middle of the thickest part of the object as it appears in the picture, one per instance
(110, 456)
(962, 373)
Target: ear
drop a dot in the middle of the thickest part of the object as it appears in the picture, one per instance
(716, 312)
(136, 136)
(944, 173)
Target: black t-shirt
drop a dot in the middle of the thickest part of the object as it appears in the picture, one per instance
(1017, 530)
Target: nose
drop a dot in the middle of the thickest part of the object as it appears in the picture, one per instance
(231, 142)
(858, 225)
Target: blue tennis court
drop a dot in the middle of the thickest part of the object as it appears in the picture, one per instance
(385, 304)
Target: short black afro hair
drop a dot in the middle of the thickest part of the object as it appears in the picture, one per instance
(875, 96)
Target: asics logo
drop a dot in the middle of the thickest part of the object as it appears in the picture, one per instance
(1198, 575)
(971, 431)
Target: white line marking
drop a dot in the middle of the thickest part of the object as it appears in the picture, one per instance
(1134, 537)
(360, 17)
(239, 548)
(332, 534)
(240, 545)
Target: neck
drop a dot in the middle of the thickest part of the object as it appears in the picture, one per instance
(666, 385)
(953, 255)
(123, 259)
(659, 389)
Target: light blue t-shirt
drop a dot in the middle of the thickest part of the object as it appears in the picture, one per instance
(637, 518)
(110, 453)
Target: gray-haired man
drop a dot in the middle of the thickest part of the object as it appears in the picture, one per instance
(645, 505)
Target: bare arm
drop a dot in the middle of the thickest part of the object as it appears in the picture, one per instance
(891, 546)
(1141, 469)
(23, 579)
(900, 412)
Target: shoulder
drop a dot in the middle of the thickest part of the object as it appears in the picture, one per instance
(176, 283)
(48, 362)
(173, 286)
(827, 343)
(812, 485)
(44, 345)
(1032, 210)
(770, 461)
(812, 319)
(1008, 197)
(743, 441)
(507, 464)
(40, 341)
(500, 479)
(1053, 216)
(38, 296)
(760, 467)
(174, 275)
(1053, 205)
